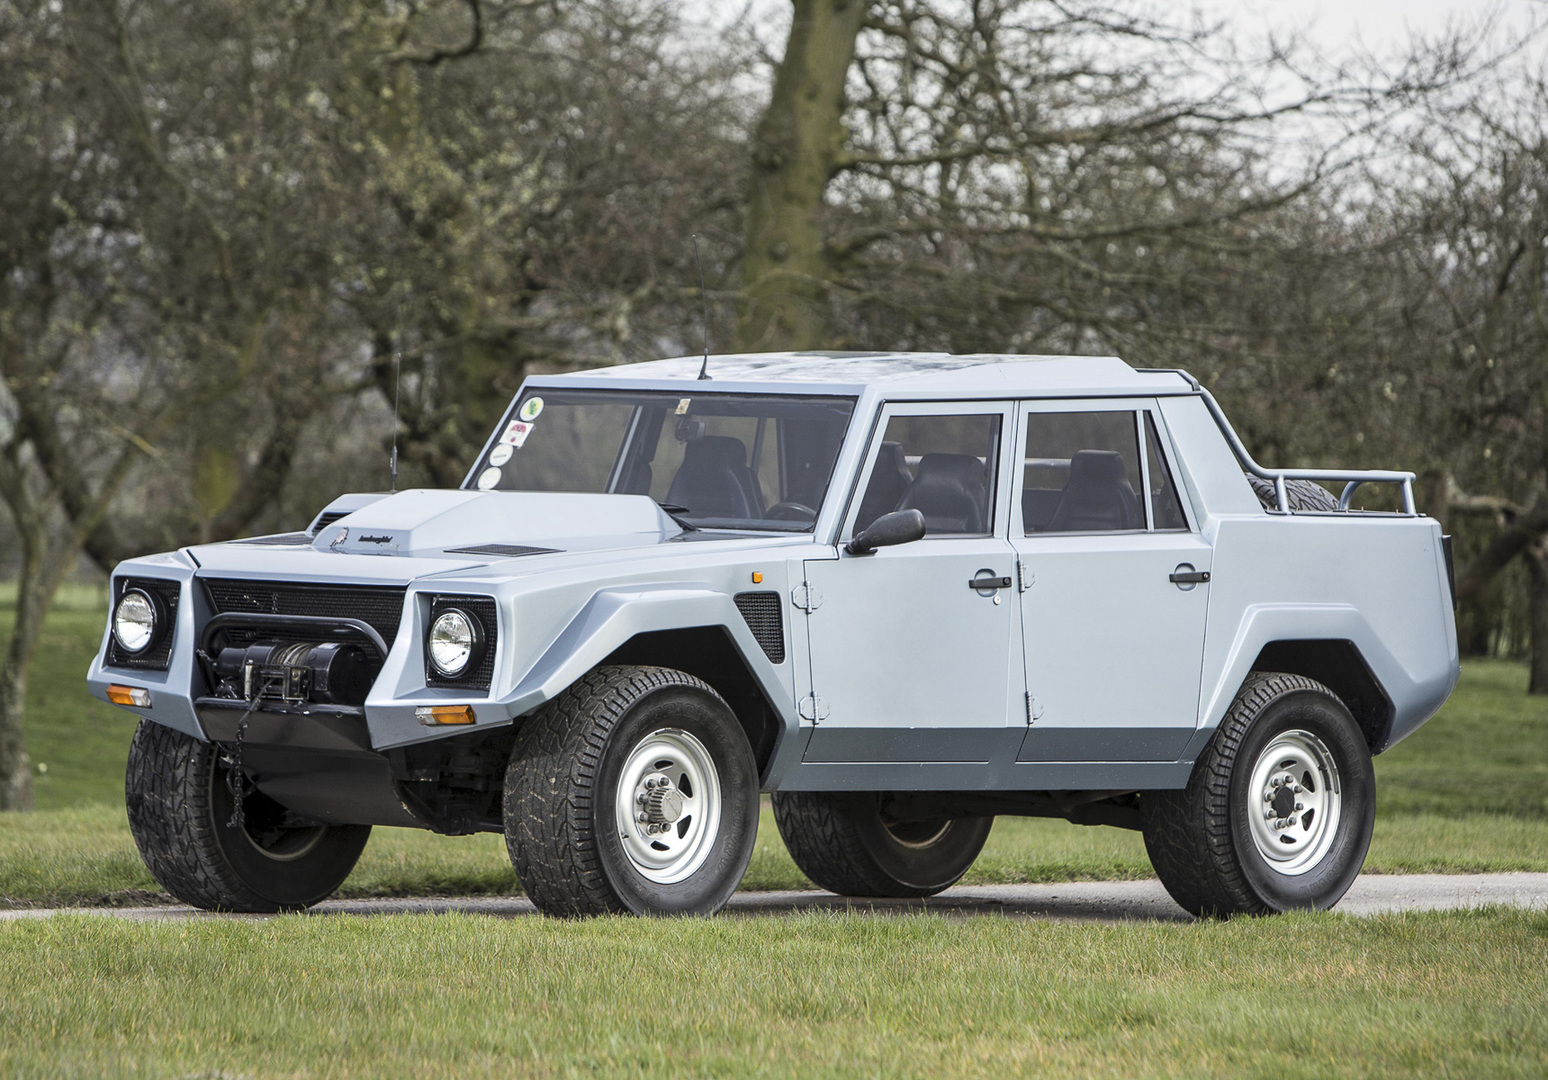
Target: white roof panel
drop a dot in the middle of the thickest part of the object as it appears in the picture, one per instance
(896, 374)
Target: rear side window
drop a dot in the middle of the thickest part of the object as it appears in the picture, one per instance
(1081, 473)
(942, 466)
(1165, 505)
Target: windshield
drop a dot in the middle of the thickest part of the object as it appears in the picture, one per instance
(726, 461)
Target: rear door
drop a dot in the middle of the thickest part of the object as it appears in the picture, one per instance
(1114, 585)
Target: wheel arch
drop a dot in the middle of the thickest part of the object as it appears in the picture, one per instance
(711, 653)
(1389, 693)
(1338, 665)
(695, 630)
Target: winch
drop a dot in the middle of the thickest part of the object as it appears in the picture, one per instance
(296, 672)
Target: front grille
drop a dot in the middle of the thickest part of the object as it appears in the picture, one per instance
(379, 607)
(482, 608)
(762, 610)
(158, 654)
(509, 551)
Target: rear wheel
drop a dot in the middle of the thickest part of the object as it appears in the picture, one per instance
(847, 843)
(632, 791)
(1279, 810)
(181, 798)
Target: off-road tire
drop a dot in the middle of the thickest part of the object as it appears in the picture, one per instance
(1199, 837)
(841, 841)
(180, 807)
(560, 795)
(1304, 495)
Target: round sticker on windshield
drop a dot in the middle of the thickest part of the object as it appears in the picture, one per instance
(500, 454)
(531, 409)
(488, 479)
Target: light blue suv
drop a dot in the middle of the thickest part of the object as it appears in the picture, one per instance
(904, 593)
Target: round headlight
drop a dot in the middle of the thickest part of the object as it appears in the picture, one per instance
(134, 621)
(455, 637)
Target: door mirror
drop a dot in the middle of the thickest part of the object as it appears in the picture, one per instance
(898, 527)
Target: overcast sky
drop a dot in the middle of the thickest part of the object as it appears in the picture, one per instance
(1335, 26)
(1382, 26)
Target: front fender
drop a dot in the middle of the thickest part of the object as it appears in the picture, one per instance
(608, 620)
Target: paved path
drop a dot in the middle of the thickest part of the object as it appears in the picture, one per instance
(1082, 901)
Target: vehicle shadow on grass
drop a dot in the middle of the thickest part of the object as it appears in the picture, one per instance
(1123, 901)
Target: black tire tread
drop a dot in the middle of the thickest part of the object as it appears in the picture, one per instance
(822, 832)
(167, 795)
(1305, 495)
(1188, 831)
(550, 787)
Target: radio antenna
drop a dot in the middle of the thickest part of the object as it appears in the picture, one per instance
(703, 299)
(397, 385)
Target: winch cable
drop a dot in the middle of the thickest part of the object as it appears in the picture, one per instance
(235, 778)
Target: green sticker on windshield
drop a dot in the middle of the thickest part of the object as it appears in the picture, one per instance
(531, 409)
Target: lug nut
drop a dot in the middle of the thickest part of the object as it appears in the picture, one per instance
(1299, 807)
(642, 817)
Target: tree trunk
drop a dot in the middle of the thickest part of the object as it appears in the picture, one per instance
(1536, 558)
(41, 570)
(795, 152)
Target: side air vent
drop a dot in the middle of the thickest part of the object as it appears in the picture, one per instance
(324, 520)
(298, 539)
(507, 551)
(762, 612)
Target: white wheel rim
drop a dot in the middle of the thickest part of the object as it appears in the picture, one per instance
(668, 805)
(1294, 802)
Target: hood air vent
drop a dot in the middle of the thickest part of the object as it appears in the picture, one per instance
(508, 551)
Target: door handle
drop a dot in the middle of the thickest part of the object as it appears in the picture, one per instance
(1189, 577)
(979, 584)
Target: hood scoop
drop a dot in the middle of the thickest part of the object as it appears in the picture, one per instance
(498, 524)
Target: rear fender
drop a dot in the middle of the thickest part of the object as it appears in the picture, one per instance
(1414, 696)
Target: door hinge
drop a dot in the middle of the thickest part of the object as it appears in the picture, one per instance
(1024, 575)
(807, 597)
(1034, 708)
(813, 708)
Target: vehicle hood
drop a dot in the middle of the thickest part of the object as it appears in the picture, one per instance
(423, 532)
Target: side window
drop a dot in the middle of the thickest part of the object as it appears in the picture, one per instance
(1081, 473)
(942, 466)
(1164, 502)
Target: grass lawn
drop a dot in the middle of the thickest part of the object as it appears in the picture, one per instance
(1468, 793)
(808, 995)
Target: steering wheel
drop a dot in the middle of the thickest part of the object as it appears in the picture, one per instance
(790, 511)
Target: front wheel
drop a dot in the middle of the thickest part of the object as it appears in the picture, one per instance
(1278, 812)
(848, 843)
(632, 791)
(181, 797)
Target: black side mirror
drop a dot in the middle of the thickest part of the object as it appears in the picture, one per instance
(898, 527)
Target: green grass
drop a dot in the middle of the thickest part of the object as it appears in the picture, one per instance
(1468, 793)
(808, 995)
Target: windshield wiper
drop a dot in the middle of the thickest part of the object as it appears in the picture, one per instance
(675, 512)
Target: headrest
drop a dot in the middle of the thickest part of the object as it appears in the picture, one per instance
(717, 450)
(963, 470)
(1097, 466)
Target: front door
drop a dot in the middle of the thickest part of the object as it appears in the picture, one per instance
(909, 661)
(1115, 580)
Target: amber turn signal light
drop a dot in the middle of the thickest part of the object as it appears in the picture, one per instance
(431, 715)
(137, 696)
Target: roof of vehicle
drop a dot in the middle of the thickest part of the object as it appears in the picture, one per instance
(894, 374)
